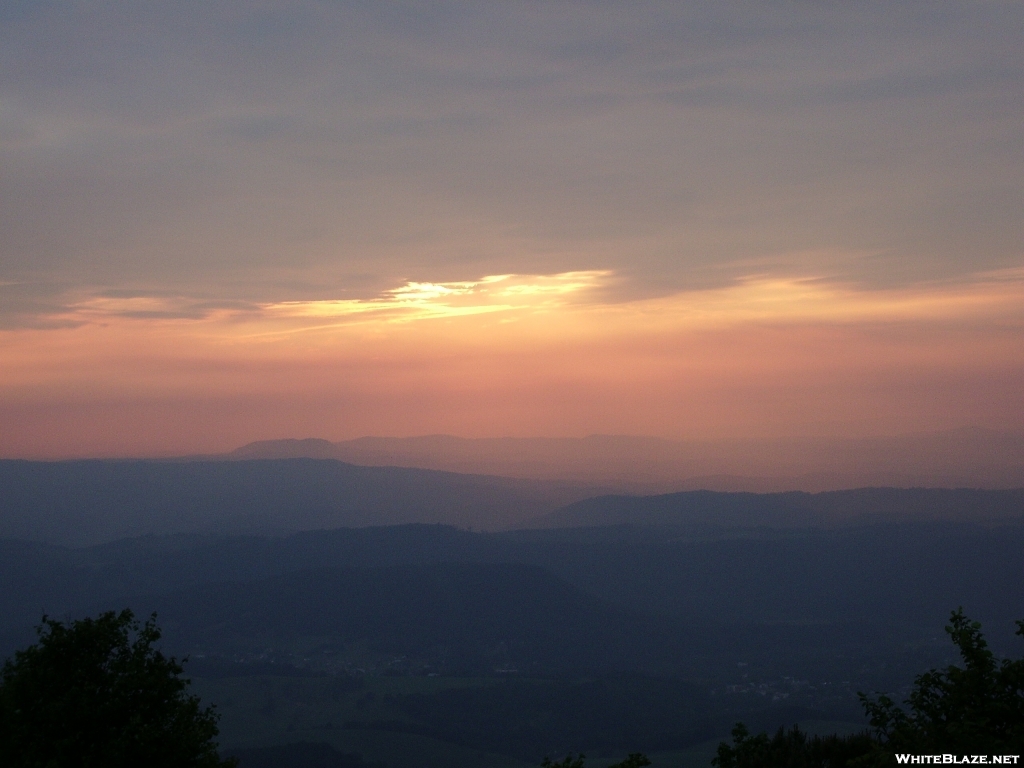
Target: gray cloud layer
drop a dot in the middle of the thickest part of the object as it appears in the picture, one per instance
(270, 151)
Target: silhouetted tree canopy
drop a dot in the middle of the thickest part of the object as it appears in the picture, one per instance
(634, 760)
(567, 762)
(95, 693)
(976, 709)
(791, 749)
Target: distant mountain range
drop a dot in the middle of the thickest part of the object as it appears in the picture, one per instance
(325, 602)
(710, 511)
(968, 457)
(89, 502)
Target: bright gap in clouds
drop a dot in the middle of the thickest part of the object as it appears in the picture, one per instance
(542, 355)
(751, 299)
(417, 300)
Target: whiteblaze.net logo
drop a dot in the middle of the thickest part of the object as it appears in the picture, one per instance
(957, 759)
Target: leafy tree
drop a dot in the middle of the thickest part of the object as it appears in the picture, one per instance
(96, 694)
(791, 749)
(568, 762)
(635, 760)
(974, 709)
(970, 710)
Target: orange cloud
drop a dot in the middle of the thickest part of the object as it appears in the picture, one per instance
(517, 354)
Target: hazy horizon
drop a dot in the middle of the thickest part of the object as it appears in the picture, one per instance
(223, 447)
(236, 222)
(970, 457)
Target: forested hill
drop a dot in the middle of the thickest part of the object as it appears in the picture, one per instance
(532, 642)
(708, 510)
(890, 574)
(89, 502)
(81, 503)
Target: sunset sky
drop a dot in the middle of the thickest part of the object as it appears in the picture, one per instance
(226, 221)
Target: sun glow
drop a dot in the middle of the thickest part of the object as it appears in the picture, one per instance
(420, 300)
(752, 299)
(513, 354)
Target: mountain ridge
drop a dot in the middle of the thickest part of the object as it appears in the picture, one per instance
(963, 457)
(91, 501)
(791, 509)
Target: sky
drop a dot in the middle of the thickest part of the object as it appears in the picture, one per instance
(226, 221)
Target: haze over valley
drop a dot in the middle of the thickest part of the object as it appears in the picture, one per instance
(670, 616)
(419, 616)
(475, 384)
(966, 457)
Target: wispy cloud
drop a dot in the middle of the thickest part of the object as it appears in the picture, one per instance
(153, 144)
(579, 294)
(422, 300)
(409, 302)
(232, 198)
(811, 299)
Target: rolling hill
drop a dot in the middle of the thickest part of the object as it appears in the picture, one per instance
(88, 502)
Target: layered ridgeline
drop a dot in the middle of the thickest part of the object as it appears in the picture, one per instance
(89, 502)
(601, 623)
(968, 457)
(710, 512)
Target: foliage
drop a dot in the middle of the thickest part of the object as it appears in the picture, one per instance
(635, 760)
(568, 762)
(792, 749)
(95, 693)
(974, 709)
